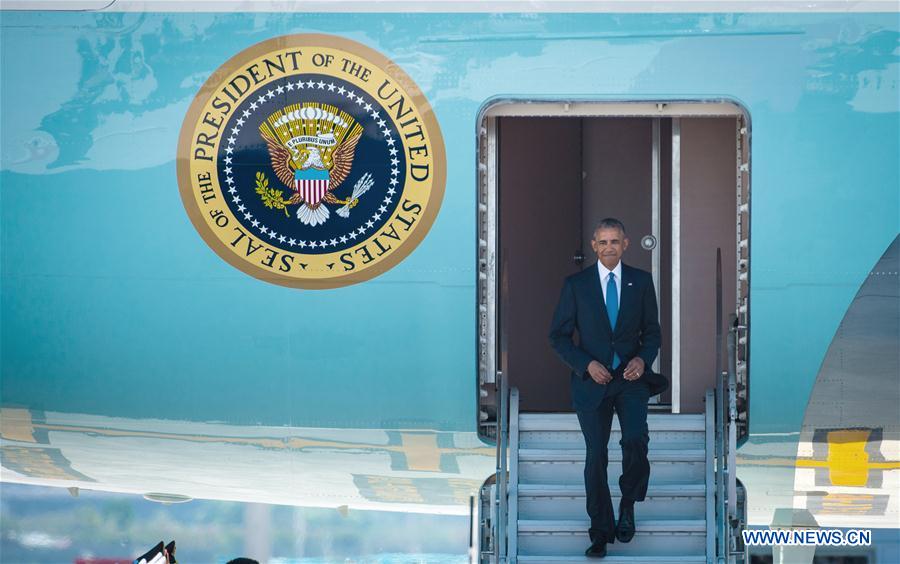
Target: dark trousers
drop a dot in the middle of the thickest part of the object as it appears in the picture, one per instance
(629, 401)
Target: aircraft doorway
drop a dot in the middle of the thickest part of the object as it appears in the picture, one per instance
(675, 174)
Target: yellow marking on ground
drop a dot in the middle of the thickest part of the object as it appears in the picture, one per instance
(421, 451)
(16, 425)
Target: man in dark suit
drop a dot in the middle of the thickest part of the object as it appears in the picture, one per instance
(613, 308)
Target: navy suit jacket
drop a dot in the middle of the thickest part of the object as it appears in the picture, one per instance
(637, 332)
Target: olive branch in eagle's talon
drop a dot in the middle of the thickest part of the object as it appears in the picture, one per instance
(271, 198)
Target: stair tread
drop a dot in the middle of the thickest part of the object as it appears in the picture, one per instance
(616, 559)
(582, 525)
(569, 422)
(662, 453)
(556, 440)
(577, 490)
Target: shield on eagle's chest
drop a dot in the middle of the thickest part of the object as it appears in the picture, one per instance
(312, 184)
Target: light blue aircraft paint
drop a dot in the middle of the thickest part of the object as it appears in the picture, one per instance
(112, 305)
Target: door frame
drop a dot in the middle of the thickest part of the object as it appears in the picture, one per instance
(490, 349)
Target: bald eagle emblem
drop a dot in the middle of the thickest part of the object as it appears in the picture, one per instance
(311, 147)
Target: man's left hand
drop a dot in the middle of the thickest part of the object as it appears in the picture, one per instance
(634, 369)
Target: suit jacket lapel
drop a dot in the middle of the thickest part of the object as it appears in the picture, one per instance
(596, 289)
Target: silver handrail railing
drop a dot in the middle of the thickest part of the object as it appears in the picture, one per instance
(513, 488)
(731, 422)
(722, 470)
(729, 518)
(735, 510)
(710, 445)
(500, 487)
(503, 503)
(721, 446)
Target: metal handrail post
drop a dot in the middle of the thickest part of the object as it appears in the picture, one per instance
(740, 551)
(710, 476)
(492, 515)
(721, 524)
(501, 469)
(513, 488)
(732, 425)
(721, 447)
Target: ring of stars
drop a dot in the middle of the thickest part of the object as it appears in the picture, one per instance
(352, 97)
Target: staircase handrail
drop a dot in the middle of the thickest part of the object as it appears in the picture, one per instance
(731, 419)
(721, 445)
(512, 524)
(500, 490)
(727, 519)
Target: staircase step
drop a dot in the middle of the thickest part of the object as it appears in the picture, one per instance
(569, 422)
(552, 524)
(577, 526)
(572, 439)
(618, 559)
(567, 501)
(573, 490)
(561, 430)
(653, 538)
(669, 453)
(566, 466)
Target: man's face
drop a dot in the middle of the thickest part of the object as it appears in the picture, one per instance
(609, 244)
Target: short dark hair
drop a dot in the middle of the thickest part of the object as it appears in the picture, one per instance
(243, 560)
(610, 223)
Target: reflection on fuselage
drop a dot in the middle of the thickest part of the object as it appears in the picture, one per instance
(843, 466)
(415, 470)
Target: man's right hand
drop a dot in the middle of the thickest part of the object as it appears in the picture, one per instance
(599, 373)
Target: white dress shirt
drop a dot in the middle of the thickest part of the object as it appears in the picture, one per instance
(604, 279)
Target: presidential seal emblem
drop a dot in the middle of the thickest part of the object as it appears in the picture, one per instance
(311, 161)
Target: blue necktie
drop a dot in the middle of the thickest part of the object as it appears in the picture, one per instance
(612, 308)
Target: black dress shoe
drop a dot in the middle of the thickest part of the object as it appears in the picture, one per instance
(596, 550)
(625, 526)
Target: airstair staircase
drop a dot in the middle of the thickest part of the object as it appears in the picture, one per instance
(551, 519)
(542, 517)
(533, 508)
